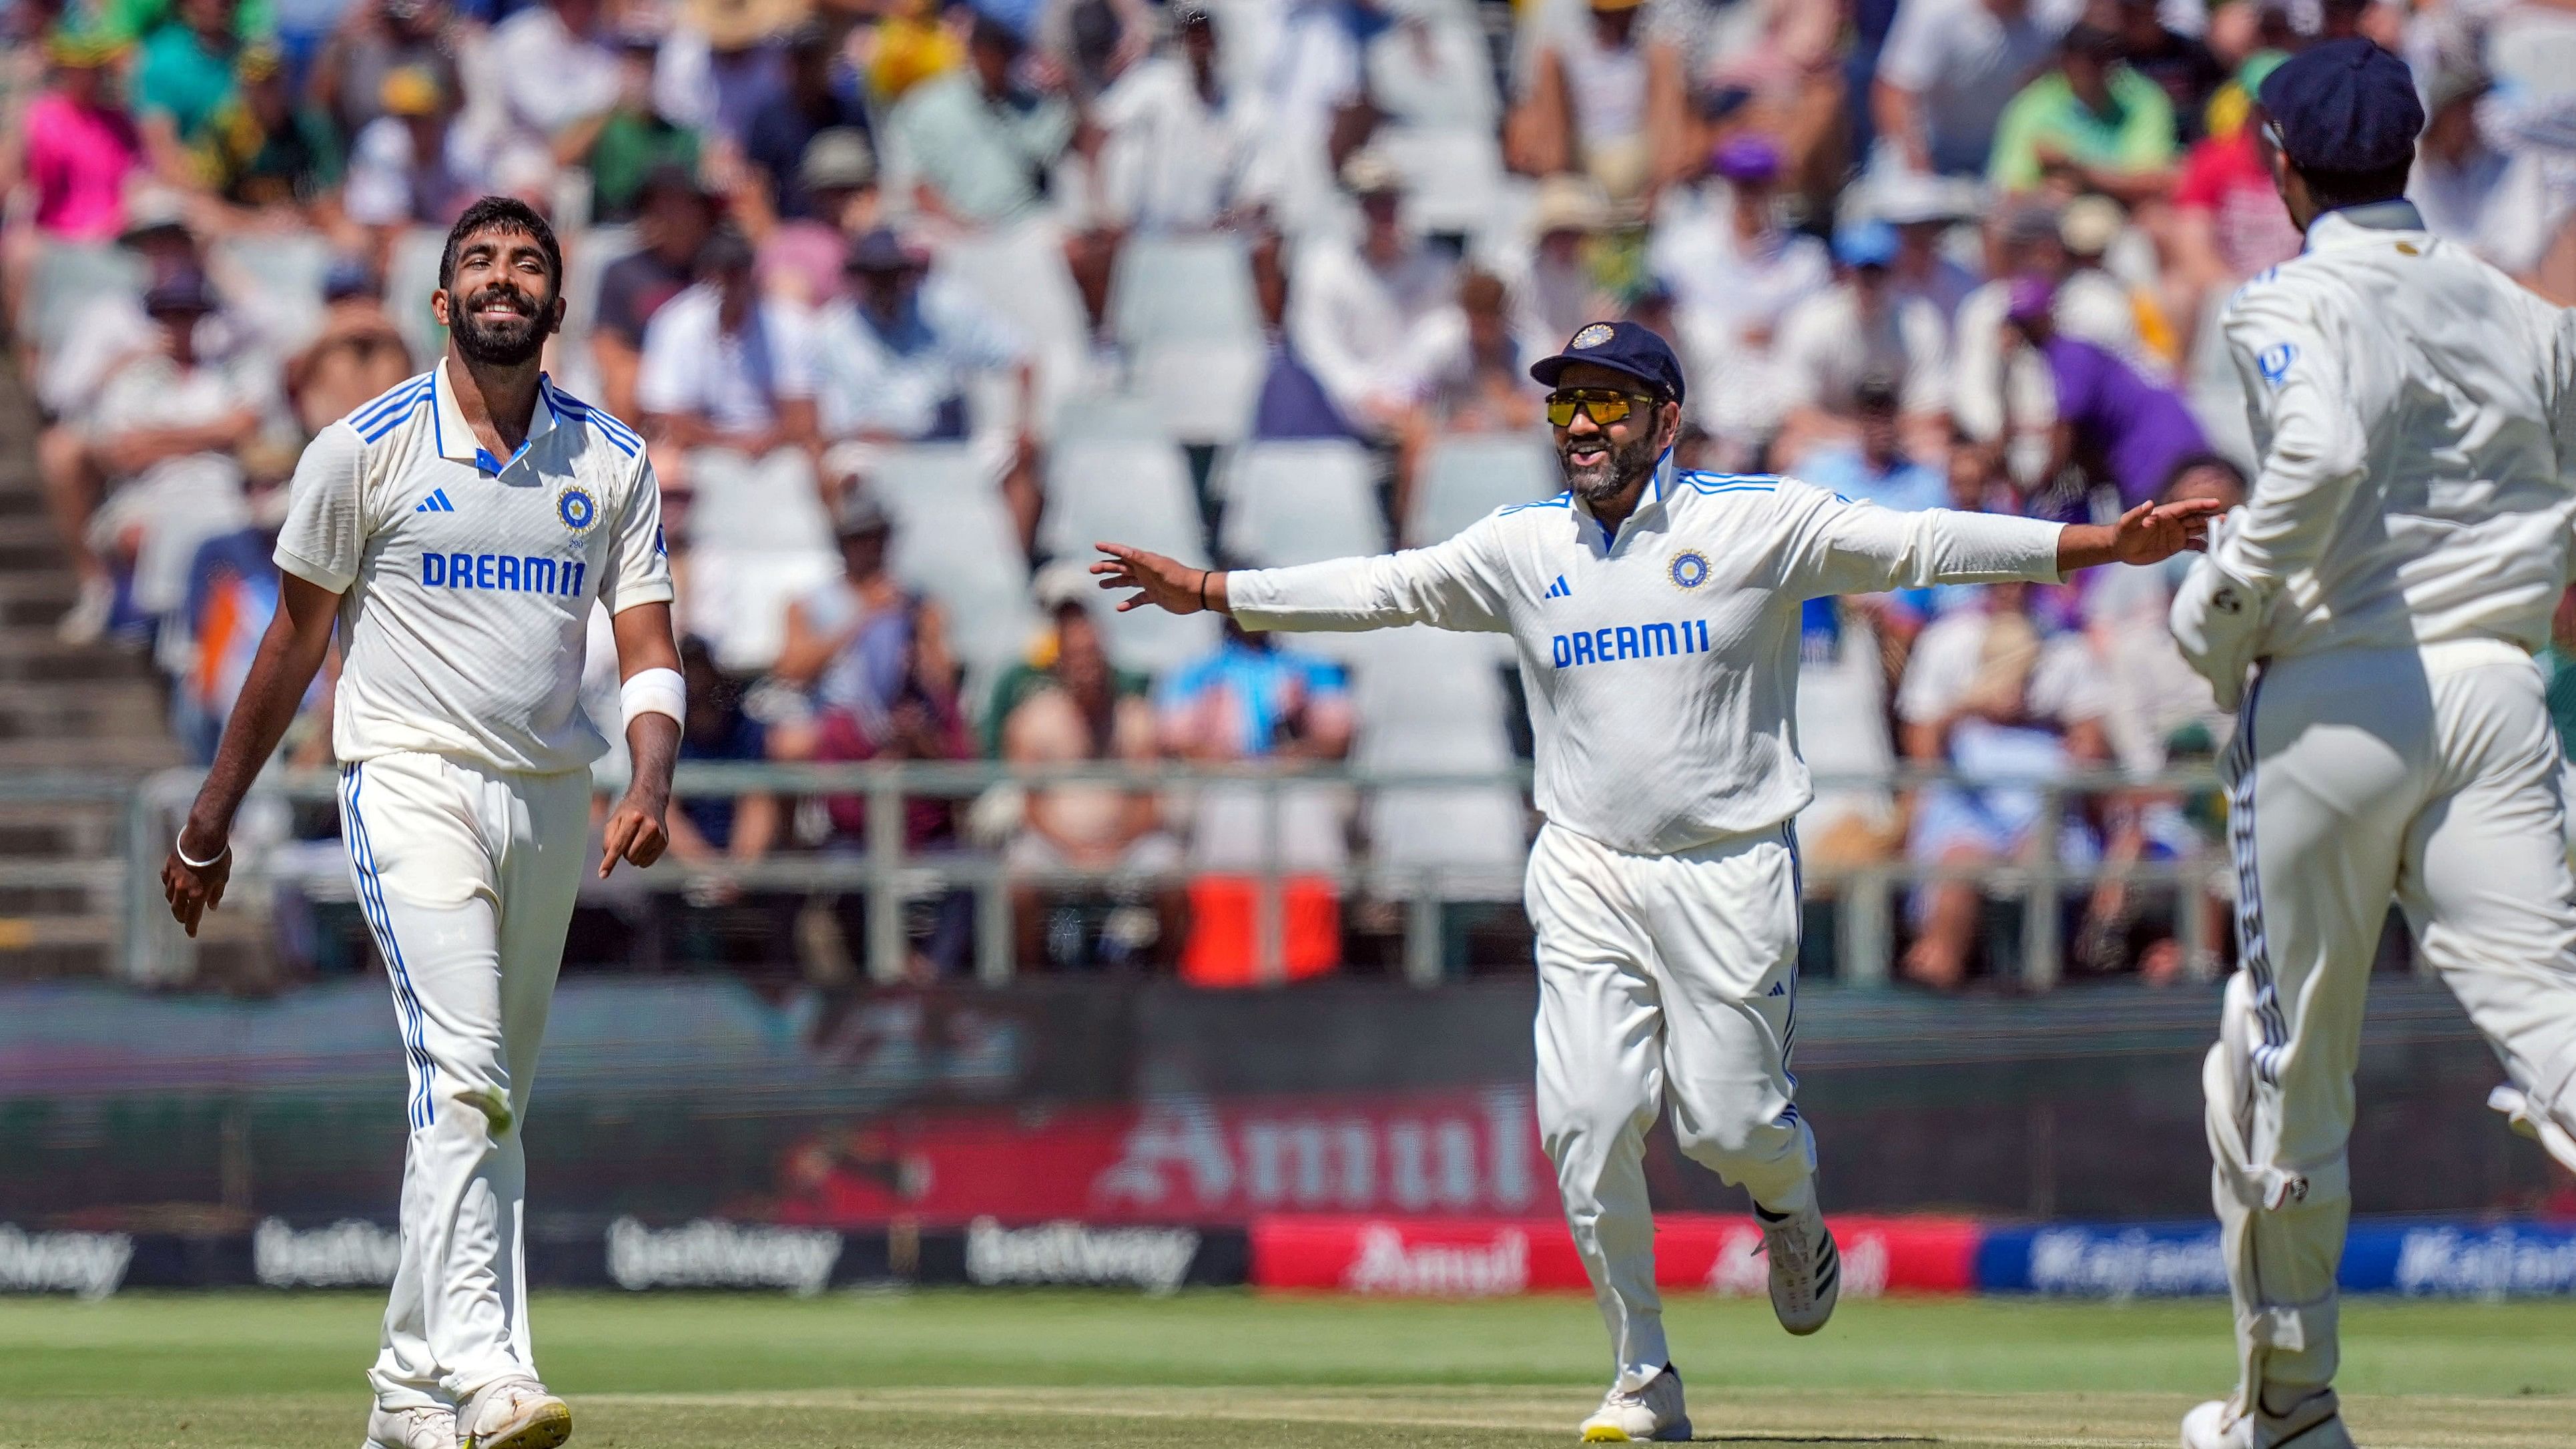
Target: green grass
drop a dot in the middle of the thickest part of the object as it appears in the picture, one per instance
(1063, 1370)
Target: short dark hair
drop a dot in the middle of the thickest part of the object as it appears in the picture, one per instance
(2333, 189)
(2190, 463)
(501, 213)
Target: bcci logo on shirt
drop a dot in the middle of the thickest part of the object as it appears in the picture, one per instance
(1689, 569)
(577, 509)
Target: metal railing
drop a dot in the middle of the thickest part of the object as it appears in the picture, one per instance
(887, 874)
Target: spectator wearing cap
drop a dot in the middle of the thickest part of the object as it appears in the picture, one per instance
(1995, 382)
(358, 354)
(673, 220)
(1923, 209)
(374, 39)
(1067, 703)
(166, 436)
(1735, 272)
(1562, 288)
(412, 166)
(266, 153)
(2182, 66)
(1861, 327)
(2120, 427)
(821, 97)
(1178, 141)
(74, 149)
(2458, 174)
(725, 60)
(966, 147)
(1875, 466)
(1362, 316)
(2088, 124)
(726, 383)
(1947, 72)
(183, 71)
(634, 135)
(1584, 108)
(801, 257)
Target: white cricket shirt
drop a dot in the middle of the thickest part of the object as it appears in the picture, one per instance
(466, 581)
(2416, 415)
(1661, 665)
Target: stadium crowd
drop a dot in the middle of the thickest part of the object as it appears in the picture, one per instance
(913, 300)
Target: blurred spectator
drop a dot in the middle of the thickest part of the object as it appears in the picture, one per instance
(673, 221)
(2458, 175)
(1562, 290)
(712, 831)
(2089, 230)
(1291, 403)
(166, 436)
(726, 374)
(1859, 328)
(894, 358)
(968, 146)
(76, 146)
(1362, 315)
(374, 39)
(725, 61)
(182, 73)
(1875, 468)
(819, 97)
(266, 153)
(358, 354)
(1735, 271)
(1923, 209)
(2180, 65)
(413, 166)
(1478, 382)
(1067, 704)
(1986, 695)
(801, 257)
(1585, 108)
(1948, 71)
(2228, 220)
(1995, 382)
(2089, 124)
(630, 138)
(2121, 428)
(1253, 700)
(1178, 142)
(2156, 703)
(553, 65)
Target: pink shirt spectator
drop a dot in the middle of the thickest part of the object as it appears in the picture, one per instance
(77, 161)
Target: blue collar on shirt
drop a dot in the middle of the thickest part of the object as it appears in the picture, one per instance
(2348, 224)
(1659, 488)
(455, 440)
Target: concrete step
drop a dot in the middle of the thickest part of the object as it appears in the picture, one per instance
(36, 599)
(33, 652)
(130, 754)
(125, 708)
(57, 831)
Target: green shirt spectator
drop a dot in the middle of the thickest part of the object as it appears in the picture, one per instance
(2558, 666)
(2092, 113)
(133, 20)
(631, 146)
(978, 145)
(184, 75)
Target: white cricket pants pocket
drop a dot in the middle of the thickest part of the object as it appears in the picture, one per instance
(1663, 977)
(466, 877)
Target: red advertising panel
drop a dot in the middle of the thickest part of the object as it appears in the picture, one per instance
(1482, 1257)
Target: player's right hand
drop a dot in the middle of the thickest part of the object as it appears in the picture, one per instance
(194, 890)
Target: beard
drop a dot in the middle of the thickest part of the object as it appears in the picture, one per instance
(1604, 477)
(509, 342)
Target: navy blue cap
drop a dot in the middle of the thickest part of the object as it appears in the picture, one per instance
(1621, 347)
(2346, 105)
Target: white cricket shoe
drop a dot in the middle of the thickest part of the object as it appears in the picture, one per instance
(513, 1414)
(1806, 1268)
(1653, 1413)
(2316, 1423)
(430, 1426)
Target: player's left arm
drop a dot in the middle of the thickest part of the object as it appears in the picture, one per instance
(636, 590)
(1840, 547)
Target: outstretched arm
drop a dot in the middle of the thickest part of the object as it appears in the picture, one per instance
(299, 634)
(2147, 534)
(1455, 584)
(1849, 548)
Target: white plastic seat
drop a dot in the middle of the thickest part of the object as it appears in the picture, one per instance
(1137, 491)
(1021, 274)
(411, 274)
(285, 270)
(1429, 700)
(1300, 502)
(1170, 288)
(1453, 175)
(1468, 475)
(757, 541)
(67, 279)
(954, 542)
(1447, 82)
(1202, 390)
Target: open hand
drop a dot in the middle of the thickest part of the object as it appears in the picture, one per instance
(1169, 584)
(2153, 532)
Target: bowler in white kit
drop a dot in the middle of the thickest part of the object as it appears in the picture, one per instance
(2393, 569)
(1656, 617)
(456, 531)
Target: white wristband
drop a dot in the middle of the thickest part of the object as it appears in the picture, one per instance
(655, 691)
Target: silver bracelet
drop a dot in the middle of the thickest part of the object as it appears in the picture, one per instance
(181, 851)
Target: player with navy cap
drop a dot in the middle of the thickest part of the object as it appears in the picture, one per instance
(1655, 613)
(2371, 614)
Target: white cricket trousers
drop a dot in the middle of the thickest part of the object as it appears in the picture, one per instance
(2430, 776)
(467, 877)
(1663, 975)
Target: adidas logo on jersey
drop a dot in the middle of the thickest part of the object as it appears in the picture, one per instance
(436, 502)
(1558, 590)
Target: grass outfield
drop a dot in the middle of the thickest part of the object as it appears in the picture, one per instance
(1065, 1370)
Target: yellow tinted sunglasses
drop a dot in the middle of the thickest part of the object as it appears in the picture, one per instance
(1606, 405)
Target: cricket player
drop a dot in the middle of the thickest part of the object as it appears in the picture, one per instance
(1656, 616)
(2393, 569)
(456, 530)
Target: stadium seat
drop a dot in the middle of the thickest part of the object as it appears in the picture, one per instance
(757, 540)
(2532, 52)
(1183, 288)
(1442, 77)
(67, 279)
(286, 271)
(1468, 475)
(1202, 389)
(1453, 175)
(1298, 502)
(1429, 700)
(411, 274)
(954, 541)
(1129, 490)
(1021, 274)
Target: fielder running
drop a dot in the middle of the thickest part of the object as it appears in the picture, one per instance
(1656, 615)
(457, 529)
(2393, 569)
